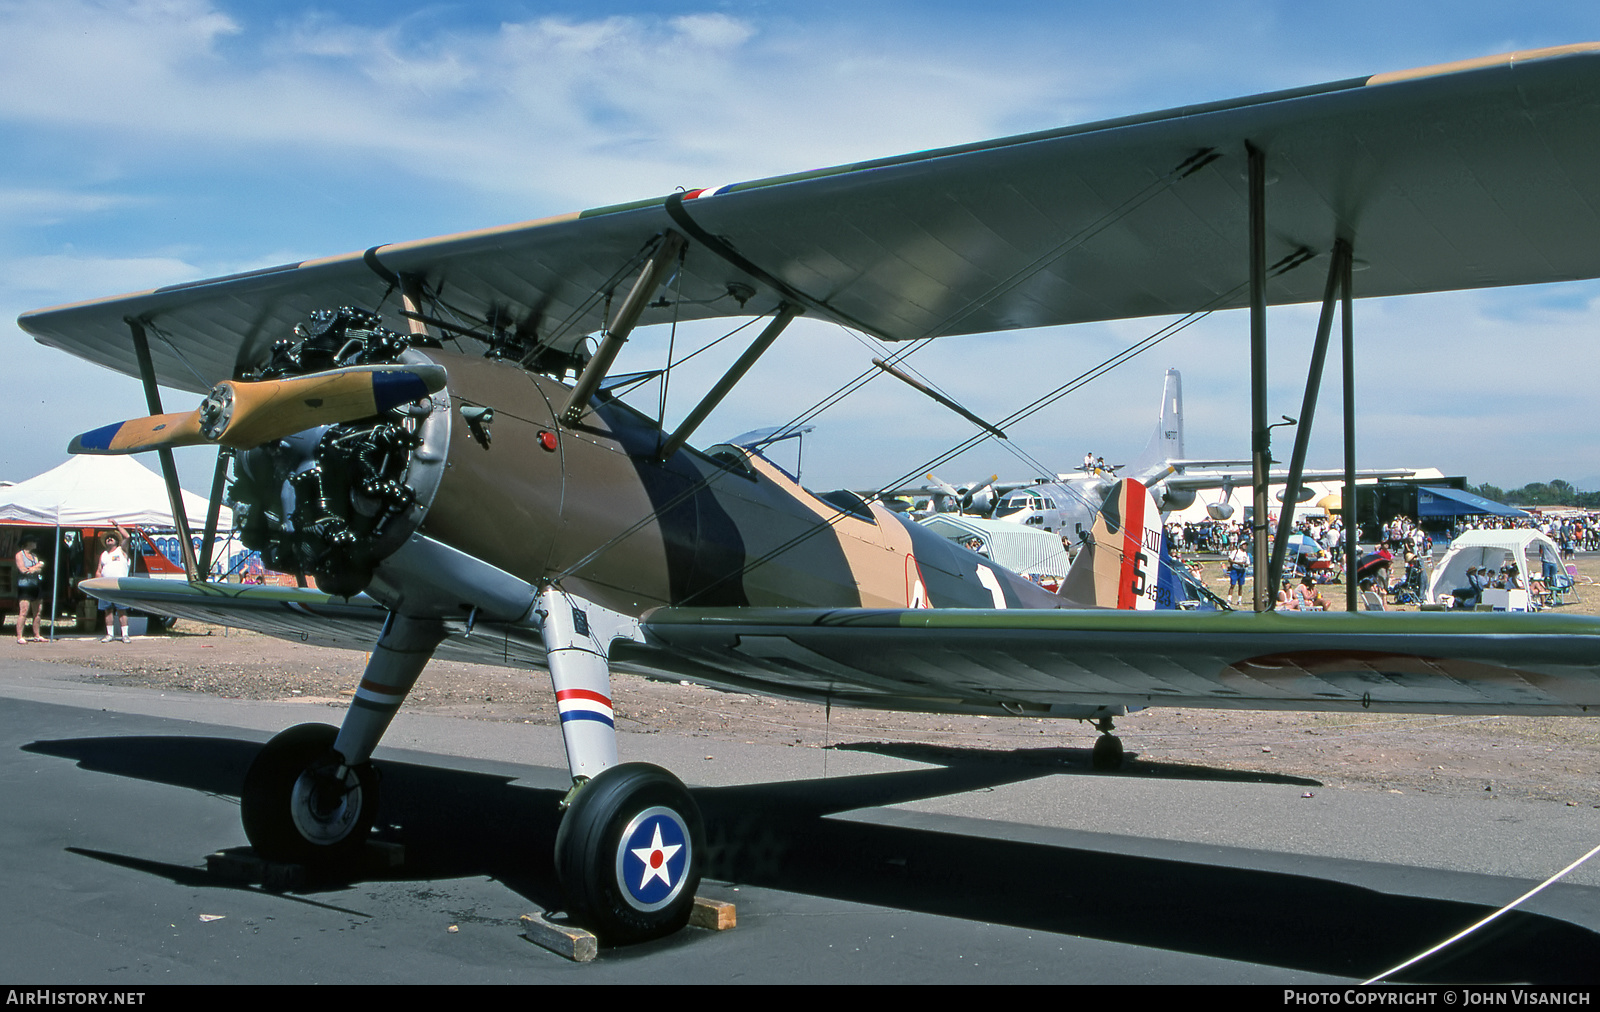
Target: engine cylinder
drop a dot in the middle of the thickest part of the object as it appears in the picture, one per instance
(334, 501)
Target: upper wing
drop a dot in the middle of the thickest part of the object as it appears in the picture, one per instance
(1057, 663)
(1459, 176)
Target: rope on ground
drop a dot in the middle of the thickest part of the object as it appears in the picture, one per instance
(1530, 894)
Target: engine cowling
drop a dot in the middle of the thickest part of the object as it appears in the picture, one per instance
(333, 501)
(1171, 500)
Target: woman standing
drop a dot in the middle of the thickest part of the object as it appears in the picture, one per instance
(30, 588)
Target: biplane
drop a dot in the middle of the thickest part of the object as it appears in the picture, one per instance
(430, 431)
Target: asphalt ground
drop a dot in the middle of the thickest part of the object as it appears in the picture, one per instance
(862, 863)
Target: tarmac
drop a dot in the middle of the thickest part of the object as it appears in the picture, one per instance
(856, 864)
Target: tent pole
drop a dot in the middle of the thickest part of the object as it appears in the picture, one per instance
(55, 582)
(169, 467)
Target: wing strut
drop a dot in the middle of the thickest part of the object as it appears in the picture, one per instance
(1260, 434)
(786, 312)
(1352, 558)
(169, 467)
(923, 388)
(219, 478)
(1338, 277)
(650, 278)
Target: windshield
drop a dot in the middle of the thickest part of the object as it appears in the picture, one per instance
(1016, 504)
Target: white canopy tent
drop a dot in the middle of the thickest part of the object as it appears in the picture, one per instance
(99, 491)
(1490, 550)
(96, 491)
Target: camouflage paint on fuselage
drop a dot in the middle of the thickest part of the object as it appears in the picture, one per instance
(600, 512)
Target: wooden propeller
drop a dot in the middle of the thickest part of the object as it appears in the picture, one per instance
(244, 415)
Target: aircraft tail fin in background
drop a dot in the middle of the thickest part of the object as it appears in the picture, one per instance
(1118, 563)
(1166, 443)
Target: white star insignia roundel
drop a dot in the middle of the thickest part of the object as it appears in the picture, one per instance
(655, 858)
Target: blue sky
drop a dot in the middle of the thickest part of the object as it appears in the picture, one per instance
(155, 142)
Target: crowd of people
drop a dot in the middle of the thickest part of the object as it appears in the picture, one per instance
(1396, 569)
(1573, 532)
(1210, 536)
(1218, 537)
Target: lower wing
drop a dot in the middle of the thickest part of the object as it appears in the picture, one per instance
(1066, 663)
(1022, 663)
(301, 615)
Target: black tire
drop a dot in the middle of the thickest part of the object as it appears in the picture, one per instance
(285, 818)
(1107, 755)
(609, 888)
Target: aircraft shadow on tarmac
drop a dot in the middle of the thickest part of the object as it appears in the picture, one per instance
(1068, 761)
(779, 835)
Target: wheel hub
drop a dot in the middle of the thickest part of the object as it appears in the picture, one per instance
(325, 807)
(653, 858)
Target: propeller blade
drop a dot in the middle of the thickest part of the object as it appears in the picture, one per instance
(944, 486)
(139, 434)
(245, 415)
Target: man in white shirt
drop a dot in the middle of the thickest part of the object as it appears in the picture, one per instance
(114, 562)
(1238, 566)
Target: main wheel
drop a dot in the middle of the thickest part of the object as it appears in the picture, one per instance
(302, 805)
(628, 854)
(1107, 753)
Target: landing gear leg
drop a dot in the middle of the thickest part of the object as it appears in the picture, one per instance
(628, 852)
(1107, 754)
(311, 794)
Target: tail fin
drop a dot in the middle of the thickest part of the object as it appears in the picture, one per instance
(1118, 564)
(1166, 443)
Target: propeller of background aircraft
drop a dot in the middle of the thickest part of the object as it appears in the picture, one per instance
(977, 498)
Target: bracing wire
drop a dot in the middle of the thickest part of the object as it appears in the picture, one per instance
(1039, 404)
(944, 326)
(1010, 282)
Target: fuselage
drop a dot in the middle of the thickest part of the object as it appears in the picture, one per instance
(489, 468)
(1066, 508)
(593, 506)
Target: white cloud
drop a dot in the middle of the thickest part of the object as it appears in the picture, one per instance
(590, 111)
(68, 277)
(39, 205)
(553, 114)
